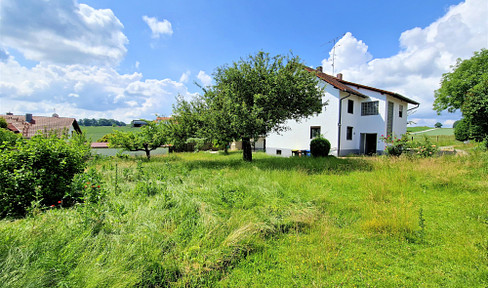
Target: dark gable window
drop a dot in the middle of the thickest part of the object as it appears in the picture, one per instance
(314, 131)
(349, 133)
(369, 108)
(350, 106)
(400, 111)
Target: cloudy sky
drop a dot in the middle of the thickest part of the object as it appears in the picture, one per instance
(130, 59)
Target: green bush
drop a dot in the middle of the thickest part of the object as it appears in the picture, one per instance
(40, 171)
(319, 147)
(3, 123)
(394, 146)
(424, 149)
(7, 138)
(461, 131)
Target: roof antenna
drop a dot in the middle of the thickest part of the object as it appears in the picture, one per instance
(333, 50)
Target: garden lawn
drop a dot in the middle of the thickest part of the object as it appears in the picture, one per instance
(209, 220)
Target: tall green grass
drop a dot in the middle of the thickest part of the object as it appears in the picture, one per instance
(208, 220)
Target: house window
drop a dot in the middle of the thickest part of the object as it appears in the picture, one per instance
(314, 131)
(369, 108)
(400, 111)
(349, 133)
(278, 152)
(350, 106)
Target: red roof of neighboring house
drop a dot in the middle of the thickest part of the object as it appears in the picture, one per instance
(99, 145)
(345, 86)
(163, 119)
(18, 123)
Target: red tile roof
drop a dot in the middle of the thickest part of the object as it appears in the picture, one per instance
(99, 145)
(163, 119)
(345, 86)
(40, 123)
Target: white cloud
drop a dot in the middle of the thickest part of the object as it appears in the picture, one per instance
(158, 28)
(204, 78)
(76, 48)
(426, 53)
(62, 32)
(185, 77)
(85, 91)
(356, 52)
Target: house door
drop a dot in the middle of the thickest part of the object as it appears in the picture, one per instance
(368, 143)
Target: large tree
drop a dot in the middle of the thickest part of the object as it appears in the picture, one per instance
(148, 138)
(256, 96)
(466, 88)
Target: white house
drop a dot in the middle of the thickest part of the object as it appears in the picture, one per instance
(353, 121)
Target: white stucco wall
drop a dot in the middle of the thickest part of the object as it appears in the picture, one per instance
(298, 136)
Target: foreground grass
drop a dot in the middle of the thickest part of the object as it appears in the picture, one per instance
(201, 219)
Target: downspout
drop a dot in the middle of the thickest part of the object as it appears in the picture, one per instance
(339, 125)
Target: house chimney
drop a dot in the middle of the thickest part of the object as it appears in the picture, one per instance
(319, 68)
(339, 76)
(28, 117)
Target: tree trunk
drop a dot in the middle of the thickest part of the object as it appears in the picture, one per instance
(148, 152)
(246, 149)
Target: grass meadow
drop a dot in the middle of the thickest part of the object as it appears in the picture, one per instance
(94, 133)
(212, 220)
(439, 136)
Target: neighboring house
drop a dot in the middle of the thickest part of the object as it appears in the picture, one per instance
(353, 121)
(29, 125)
(138, 123)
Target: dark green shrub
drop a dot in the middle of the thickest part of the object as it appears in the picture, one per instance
(38, 170)
(3, 123)
(461, 131)
(319, 147)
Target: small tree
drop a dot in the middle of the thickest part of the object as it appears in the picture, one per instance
(438, 125)
(148, 138)
(255, 96)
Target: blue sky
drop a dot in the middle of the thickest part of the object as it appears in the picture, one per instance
(128, 59)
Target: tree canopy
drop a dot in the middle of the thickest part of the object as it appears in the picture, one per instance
(148, 138)
(466, 88)
(455, 85)
(253, 97)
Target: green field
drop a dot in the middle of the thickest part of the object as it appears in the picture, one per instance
(418, 128)
(438, 136)
(210, 220)
(94, 133)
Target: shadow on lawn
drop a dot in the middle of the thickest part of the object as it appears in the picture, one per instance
(310, 165)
